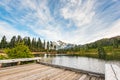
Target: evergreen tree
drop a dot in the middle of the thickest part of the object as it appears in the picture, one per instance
(34, 44)
(54, 47)
(115, 43)
(44, 45)
(51, 45)
(27, 41)
(47, 45)
(19, 39)
(3, 42)
(12, 42)
(39, 44)
(101, 53)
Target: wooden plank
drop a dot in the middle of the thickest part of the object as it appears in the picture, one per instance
(88, 77)
(19, 69)
(38, 75)
(111, 72)
(116, 71)
(83, 77)
(49, 76)
(21, 59)
(40, 72)
(25, 76)
(93, 78)
(68, 76)
(57, 77)
(9, 69)
(100, 79)
(21, 74)
(73, 76)
(18, 66)
(78, 76)
(62, 76)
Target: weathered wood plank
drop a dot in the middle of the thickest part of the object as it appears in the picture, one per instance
(30, 76)
(88, 77)
(116, 71)
(21, 74)
(83, 77)
(100, 79)
(17, 70)
(112, 72)
(17, 60)
(93, 78)
(73, 76)
(78, 76)
(58, 77)
(40, 72)
(68, 76)
(17, 66)
(38, 75)
(56, 72)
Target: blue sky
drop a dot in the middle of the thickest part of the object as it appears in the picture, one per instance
(72, 21)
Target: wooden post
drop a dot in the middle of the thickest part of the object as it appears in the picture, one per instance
(0, 65)
(38, 60)
(18, 63)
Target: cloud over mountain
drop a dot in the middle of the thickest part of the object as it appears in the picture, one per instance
(72, 21)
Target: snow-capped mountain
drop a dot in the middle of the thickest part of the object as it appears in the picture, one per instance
(62, 45)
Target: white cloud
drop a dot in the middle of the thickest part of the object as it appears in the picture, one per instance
(114, 30)
(41, 22)
(50, 33)
(8, 30)
(37, 19)
(80, 14)
(89, 24)
(111, 31)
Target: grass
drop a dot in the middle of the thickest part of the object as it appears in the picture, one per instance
(108, 57)
(111, 53)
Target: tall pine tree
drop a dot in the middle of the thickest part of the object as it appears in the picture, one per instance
(3, 42)
(39, 44)
(12, 42)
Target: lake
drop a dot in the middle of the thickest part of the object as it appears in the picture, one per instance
(82, 63)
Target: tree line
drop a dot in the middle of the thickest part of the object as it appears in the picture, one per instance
(101, 47)
(113, 42)
(33, 44)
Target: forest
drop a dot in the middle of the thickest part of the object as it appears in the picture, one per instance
(35, 45)
(107, 48)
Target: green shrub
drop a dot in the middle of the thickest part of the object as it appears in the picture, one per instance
(3, 57)
(19, 51)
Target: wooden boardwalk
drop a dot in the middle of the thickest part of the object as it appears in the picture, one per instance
(112, 72)
(42, 72)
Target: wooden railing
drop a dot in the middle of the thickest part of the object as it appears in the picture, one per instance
(21, 59)
(112, 72)
(18, 61)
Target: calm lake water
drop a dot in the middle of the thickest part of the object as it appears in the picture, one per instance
(82, 63)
